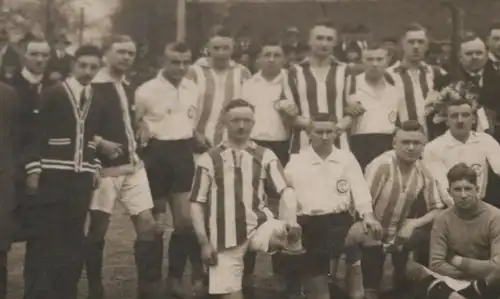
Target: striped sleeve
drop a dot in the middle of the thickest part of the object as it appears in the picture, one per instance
(431, 191)
(202, 179)
(275, 173)
(376, 175)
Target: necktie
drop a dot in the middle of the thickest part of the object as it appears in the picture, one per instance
(83, 98)
(475, 79)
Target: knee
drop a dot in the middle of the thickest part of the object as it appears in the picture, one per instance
(355, 236)
(146, 226)
(99, 223)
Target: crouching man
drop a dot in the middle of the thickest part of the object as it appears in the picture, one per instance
(405, 201)
(229, 210)
(465, 244)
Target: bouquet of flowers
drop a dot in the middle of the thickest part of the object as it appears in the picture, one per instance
(437, 102)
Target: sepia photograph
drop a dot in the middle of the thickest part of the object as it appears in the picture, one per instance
(250, 149)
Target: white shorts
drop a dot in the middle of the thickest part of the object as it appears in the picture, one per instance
(132, 190)
(226, 277)
(453, 283)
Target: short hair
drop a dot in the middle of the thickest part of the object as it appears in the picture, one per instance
(271, 41)
(494, 25)
(323, 117)
(116, 39)
(375, 45)
(410, 126)
(238, 103)
(389, 40)
(462, 171)
(219, 30)
(36, 39)
(324, 23)
(414, 27)
(88, 50)
(458, 102)
(469, 36)
(179, 47)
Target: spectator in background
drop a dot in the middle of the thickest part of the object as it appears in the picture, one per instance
(60, 61)
(391, 45)
(292, 37)
(245, 50)
(346, 38)
(444, 59)
(10, 61)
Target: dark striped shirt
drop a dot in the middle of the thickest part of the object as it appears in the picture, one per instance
(231, 184)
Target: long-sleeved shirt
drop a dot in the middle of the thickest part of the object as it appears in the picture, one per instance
(479, 152)
(328, 186)
(476, 239)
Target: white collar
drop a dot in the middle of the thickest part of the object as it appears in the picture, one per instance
(363, 84)
(163, 80)
(104, 76)
(74, 84)
(452, 141)
(275, 81)
(314, 158)
(31, 77)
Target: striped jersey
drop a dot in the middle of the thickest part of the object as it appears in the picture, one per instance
(215, 91)
(316, 95)
(394, 200)
(231, 184)
(415, 84)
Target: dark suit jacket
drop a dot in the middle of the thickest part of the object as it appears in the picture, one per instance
(11, 63)
(9, 125)
(60, 65)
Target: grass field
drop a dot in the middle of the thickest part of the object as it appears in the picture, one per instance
(119, 266)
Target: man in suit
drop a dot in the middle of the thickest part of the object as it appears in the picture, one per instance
(60, 61)
(10, 61)
(9, 109)
(480, 70)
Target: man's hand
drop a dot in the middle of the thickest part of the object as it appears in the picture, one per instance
(97, 180)
(293, 231)
(32, 182)
(143, 134)
(208, 254)
(111, 149)
(288, 107)
(407, 230)
(201, 143)
(456, 260)
(371, 225)
(354, 109)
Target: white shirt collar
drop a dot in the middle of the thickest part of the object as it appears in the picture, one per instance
(205, 62)
(452, 141)
(363, 84)
(103, 76)
(163, 80)
(314, 158)
(277, 80)
(30, 77)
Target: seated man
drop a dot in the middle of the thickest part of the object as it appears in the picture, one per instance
(405, 201)
(465, 242)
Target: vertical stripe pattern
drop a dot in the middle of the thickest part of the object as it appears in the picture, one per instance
(411, 106)
(315, 97)
(392, 201)
(236, 194)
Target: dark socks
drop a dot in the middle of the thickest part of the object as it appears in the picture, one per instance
(177, 254)
(148, 259)
(93, 265)
(195, 257)
(372, 264)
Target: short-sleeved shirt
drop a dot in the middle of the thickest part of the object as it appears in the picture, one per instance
(328, 186)
(168, 111)
(392, 198)
(479, 151)
(232, 184)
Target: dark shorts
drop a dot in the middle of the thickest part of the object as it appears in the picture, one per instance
(170, 166)
(280, 148)
(366, 147)
(323, 238)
